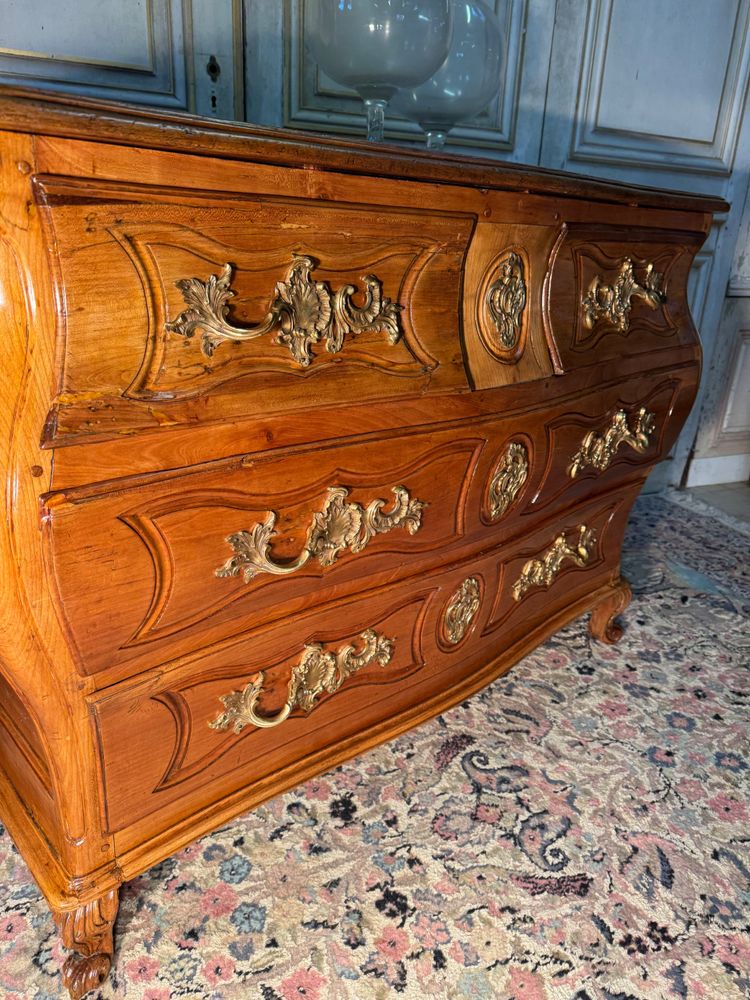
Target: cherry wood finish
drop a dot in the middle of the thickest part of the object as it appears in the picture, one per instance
(162, 541)
(399, 506)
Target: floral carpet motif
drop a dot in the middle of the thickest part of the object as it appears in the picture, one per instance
(580, 830)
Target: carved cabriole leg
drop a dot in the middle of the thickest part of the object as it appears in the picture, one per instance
(602, 624)
(87, 930)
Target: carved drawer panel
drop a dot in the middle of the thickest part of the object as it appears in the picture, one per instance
(602, 437)
(271, 703)
(555, 562)
(612, 292)
(502, 309)
(150, 572)
(194, 306)
(190, 717)
(579, 447)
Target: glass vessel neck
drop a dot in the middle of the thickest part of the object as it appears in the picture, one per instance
(435, 138)
(375, 107)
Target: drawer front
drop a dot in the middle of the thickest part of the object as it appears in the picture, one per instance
(614, 291)
(579, 447)
(186, 307)
(602, 437)
(502, 311)
(242, 714)
(153, 572)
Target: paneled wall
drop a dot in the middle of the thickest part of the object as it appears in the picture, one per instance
(313, 101)
(722, 446)
(142, 51)
(124, 51)
(649, 85)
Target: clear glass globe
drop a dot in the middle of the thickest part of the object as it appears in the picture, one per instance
(466, 82)
(377, 46)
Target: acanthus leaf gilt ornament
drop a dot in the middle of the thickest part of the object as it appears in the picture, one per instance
(598, 449)
(341, 525)
(543, 571)
(508, 479)
(304, 310)
(461, 610)
(319, 671)
(613, 302)
(506, 300)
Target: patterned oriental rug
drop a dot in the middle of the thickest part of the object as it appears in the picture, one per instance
(580, 830)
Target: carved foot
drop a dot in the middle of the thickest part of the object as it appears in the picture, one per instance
(88, 931)
(602, 624)
(81, 974)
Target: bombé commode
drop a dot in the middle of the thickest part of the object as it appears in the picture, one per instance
(303, 442)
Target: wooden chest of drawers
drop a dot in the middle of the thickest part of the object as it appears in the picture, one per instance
(302, 443)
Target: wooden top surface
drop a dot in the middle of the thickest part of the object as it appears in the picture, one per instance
(49, 113)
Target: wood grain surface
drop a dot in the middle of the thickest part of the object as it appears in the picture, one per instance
(537, 358)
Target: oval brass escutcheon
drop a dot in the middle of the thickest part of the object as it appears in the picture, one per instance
(461, 610)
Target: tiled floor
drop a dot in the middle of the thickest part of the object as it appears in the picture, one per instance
(732, 498)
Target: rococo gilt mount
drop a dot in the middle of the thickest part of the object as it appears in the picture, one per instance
(303, 442)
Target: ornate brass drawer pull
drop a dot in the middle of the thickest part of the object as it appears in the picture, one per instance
(461, 610)
(506, 299)
(318, 671)
(613, 302)
(339, 526)
(508, 479)
(542, 572)
(304, 310)
(598, 450)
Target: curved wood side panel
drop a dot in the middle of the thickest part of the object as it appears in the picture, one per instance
(34, 657)
(25, 763)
